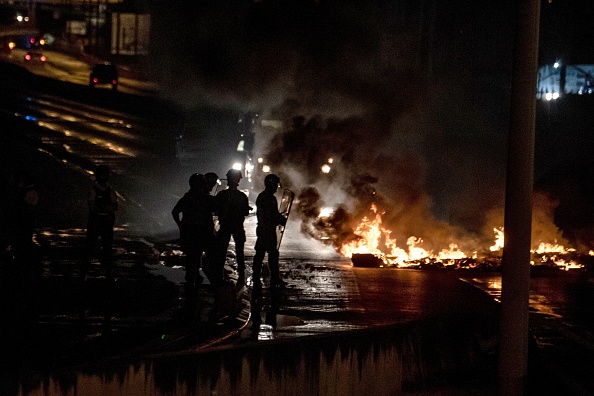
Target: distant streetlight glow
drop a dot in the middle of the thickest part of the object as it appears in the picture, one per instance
(237, 166)
(326, 212)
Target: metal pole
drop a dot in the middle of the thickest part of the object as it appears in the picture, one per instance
(136, 33)
(117, 33)
(515, 277)
(97, 27)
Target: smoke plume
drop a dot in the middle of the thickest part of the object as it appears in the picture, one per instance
(398, 104)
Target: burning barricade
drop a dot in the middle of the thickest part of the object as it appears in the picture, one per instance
(372, 245)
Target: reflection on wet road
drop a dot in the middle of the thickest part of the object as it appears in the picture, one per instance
(325, 297)
(561, 294)
(325, 293)
(88, 132)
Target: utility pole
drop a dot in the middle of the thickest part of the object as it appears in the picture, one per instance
(32, 12)
(515, 272)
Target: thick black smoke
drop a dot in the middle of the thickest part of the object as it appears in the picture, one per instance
(405, 102)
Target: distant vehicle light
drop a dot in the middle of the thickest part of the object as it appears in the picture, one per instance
(325, 168)
(104, 73)
(11, 45)
(237, 166)
(41, 41)
(19, 18)
(34, 55)
(265, 168)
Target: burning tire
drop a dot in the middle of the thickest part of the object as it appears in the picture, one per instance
(367, 260)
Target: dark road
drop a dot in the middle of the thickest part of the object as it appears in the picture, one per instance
(401, 330)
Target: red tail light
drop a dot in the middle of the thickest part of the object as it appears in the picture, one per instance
(114, 82)
(27, 57)
(42, 58)
(95, 80)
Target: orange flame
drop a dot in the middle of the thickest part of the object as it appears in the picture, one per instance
(373, 238)
(499, 238)
(371, 233)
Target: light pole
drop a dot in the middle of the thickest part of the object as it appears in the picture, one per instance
(515, 274)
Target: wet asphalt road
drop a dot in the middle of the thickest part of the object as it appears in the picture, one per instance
(148, 311)
(61, 326)
(87, 331)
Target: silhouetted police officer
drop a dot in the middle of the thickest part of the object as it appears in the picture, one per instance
(268, 219)
(23, 213)
(196, 225)
(103, 203)
(232, 208)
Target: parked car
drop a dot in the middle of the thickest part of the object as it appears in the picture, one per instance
(103, 74)
(35, 55)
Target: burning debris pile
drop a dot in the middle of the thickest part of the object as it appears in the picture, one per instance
(371, 245)
(378, 225)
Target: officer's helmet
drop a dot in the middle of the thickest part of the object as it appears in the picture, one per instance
(102, 174)
(211, 179)
(271, 180)
(234, 176)
(196, 180)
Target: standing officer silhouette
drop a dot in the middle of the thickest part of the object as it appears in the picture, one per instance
(232, 208)
(21, 226)
(268, 219)
(103, 203)
(196, 225)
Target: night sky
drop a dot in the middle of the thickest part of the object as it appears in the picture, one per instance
(411, 98)
(566, 31)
